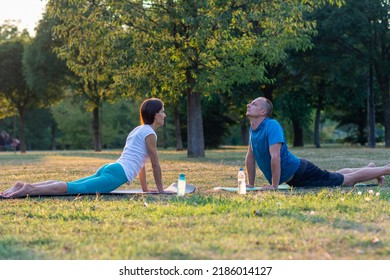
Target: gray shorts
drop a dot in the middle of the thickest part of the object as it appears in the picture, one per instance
(310, 175)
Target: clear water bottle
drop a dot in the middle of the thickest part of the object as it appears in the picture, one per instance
(181, 185)
(241, 181)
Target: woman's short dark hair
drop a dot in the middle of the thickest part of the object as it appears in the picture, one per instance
(148, 110)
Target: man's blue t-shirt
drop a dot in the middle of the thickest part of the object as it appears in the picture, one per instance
(268, 133)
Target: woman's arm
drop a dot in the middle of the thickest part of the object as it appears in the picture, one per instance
(151, 147)
(142, 179)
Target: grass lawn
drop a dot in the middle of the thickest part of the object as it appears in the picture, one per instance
(303, 224)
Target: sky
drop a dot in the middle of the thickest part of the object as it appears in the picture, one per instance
(28, 12)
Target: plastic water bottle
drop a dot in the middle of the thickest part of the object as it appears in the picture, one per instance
(181, 185)
(241, 181)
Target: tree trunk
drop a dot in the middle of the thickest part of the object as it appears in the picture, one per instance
(268, 92)
(384, 85)
(195, 135)
(362, 137)
(371, 110)
(317, 121)
(21, 131)
(96, 130)
(386, 112)
(178, 137)
(165, 137)
(244, 133)
(298, 134)
(53, 135)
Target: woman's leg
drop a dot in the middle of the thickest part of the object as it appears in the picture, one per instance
(97, 174)
(17, 186)
(42, 188)
(110, 178)
(106, 179)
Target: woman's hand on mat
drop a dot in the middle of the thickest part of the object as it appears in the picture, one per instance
(156, 191)
(269, 188)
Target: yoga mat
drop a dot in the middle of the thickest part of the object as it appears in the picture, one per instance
(233, 189)
(173, 188)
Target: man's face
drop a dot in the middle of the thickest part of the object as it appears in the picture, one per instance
(255, 108)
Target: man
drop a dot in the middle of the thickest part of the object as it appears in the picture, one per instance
(268, 148)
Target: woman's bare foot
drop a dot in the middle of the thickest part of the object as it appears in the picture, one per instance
(15, 188)
(24, 190)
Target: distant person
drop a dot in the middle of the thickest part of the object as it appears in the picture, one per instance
(268, 149)
(5, 140)
(15, 144)
(141, 145)
(2, 142)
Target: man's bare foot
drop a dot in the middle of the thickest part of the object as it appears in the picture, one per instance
(15, 188)
(380, 179)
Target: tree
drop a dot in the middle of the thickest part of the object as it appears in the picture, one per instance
(363, 30)
(194, 48)
(86, 35)
(14, 91)
(44, 71)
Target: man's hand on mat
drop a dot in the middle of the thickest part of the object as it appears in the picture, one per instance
(152, 190)
(169, 191)
(269, 188)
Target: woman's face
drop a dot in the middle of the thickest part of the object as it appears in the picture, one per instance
(159, 117)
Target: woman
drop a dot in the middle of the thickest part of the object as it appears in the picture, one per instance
(141, 145)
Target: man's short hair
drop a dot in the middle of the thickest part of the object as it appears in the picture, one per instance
(268, 106)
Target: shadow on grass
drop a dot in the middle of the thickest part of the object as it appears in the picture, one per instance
(112, 155)
(11, 249)
(17, 158)
(344, 224)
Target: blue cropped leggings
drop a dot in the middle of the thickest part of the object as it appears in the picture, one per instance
(109, 177)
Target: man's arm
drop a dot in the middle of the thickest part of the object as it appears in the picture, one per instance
(274, 151)
(250, 166)
(151, 146)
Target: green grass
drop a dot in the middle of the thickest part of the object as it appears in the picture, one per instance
(330, 223)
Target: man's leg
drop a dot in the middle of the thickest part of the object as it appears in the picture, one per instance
(345, 171)
(350, 170)
(366, 174)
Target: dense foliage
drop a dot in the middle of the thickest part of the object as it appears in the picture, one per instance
(206, 60)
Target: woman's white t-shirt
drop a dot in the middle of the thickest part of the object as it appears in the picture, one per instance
(134, 154)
